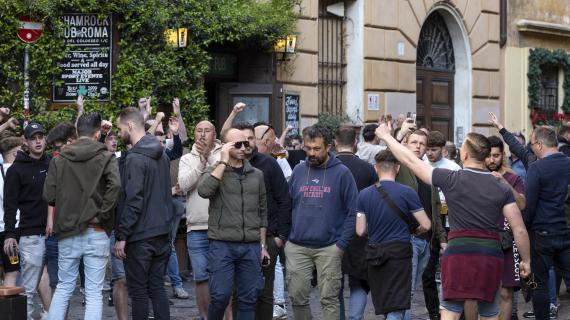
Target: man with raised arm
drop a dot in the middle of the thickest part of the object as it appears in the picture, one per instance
(472, 263)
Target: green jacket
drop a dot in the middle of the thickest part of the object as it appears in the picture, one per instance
(238, 205)
(407, 177)
(82, 183)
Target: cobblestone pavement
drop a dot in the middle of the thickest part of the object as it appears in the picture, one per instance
(186, 309)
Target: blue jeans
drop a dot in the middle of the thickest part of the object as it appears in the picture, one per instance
(198, 247)
(93, 246)
(52, 260)
(234, 265)
(32, 259)
(548, 249)
(420, 258)
(552, 286)
(357, 303)
(172, 269)
(395, 315)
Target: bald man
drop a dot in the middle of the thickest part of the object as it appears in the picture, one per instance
(237, 226)
(205, 152)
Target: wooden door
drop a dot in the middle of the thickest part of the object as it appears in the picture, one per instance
(434, 101)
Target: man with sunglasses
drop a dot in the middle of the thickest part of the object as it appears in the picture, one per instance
(26, 180)
(278, 215)
(237, 227)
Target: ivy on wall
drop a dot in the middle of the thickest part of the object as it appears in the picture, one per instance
(539, 57)
(146, 65)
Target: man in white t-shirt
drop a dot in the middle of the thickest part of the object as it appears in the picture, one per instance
(9, 147)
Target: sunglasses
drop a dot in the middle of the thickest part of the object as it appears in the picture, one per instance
(239, 144)
(262, 123)
(530, 283)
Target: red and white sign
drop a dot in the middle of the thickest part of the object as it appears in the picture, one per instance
(30, 31)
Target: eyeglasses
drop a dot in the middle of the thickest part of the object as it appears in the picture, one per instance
(239, 144)
(263, 123)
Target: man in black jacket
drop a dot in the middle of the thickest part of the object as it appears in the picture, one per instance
(278, 214)
(145, 217)
(23, 191)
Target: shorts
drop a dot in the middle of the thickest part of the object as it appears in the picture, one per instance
(8, 267)
(117, 266)
(198, 247)
(486, 309)
(52, 260)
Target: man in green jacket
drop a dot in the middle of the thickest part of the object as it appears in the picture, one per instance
(83, 184)
(237, 226)
(425, 256)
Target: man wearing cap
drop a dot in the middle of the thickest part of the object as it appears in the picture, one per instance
(26, 180)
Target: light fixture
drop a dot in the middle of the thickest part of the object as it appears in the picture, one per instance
(285, 47)
(177, 38)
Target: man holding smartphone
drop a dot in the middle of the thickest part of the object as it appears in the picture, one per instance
(237, 226)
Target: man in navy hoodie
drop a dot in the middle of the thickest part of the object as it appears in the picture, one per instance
(547, 185)
(324, 206)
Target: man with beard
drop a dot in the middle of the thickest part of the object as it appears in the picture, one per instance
(145, 217)
(476, 201)
(426, 247)
(511, 275)
(324, 206)
(278, 214)
(24, 186)
(237, 226)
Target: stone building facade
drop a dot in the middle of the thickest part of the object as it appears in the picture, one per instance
(441, 59)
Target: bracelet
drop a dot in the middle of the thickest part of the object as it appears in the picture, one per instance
(263, 246)
(222, 162)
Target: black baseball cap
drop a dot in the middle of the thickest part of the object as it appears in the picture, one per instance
(33, 128)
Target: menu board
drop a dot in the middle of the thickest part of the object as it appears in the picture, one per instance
(86, 68)
(292, 113)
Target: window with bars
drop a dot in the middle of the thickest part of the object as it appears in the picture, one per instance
(332, 65)
(549, 89)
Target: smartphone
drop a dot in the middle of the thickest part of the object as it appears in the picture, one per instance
(265, 262)
(414, 116)
(408, 115)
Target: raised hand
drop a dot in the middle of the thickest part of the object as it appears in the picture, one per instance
(239, 107)
(176, 107)
(173, 125)
(384, 130)
(495, 121)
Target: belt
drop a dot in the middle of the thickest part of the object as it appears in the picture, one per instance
(96, 226)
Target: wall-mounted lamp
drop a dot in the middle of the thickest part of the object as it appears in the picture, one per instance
(285, 47)
(177, 38)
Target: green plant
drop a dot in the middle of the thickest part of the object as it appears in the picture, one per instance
(331, 121)
(146, 65)
(539, 57)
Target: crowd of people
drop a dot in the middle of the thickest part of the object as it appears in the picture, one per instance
(270, 215)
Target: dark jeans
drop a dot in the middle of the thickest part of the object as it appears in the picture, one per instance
(547, 249)
(51, 261)
(145, 267)
(234, 265)
(264, 310)
(429, 284)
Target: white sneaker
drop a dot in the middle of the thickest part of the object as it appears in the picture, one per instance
(180, 293)
(44, 315)
(279, 312)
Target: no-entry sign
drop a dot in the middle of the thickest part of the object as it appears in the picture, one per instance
(30, 31)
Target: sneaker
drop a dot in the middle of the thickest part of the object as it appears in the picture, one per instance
(106, 287)
(553, 311)
(44, 315)
(529, 315)
(279, 312)
(180, 293)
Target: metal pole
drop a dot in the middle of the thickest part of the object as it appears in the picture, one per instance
(26, 85)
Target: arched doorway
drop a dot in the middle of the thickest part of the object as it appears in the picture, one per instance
(435, 63)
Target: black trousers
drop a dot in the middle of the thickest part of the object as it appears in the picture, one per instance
(145, 267)
(429, 284)
(264, 308)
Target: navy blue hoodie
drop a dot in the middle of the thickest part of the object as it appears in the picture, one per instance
(324, 204)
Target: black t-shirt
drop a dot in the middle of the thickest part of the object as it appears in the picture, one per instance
(475, 198)
(296, 157)
(238, 170)
(424, 192)
(362, 171)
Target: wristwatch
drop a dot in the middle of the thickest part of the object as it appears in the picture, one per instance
(222, 162)
(263, 246)
(359, 214)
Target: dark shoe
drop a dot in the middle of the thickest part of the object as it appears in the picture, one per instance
(514, 317)
(529, 315)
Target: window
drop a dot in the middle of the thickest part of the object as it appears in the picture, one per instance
(548, 101)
